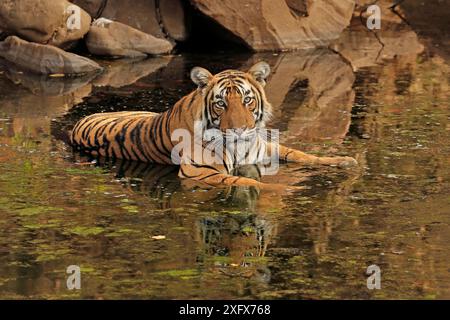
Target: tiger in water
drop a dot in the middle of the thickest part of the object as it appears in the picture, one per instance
(231, 102)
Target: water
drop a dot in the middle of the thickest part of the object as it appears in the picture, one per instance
(385, 105)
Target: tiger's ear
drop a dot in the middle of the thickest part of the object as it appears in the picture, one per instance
(260, 72)
(200, 76)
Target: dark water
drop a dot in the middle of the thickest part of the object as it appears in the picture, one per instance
(386, 105)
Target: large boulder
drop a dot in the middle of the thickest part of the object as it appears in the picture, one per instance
(163, 18)
(110, 38)
(93, 7)
(45, 59)
(173, 18)
(44, 21)
(280, 24)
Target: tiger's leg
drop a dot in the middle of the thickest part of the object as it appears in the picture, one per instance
(292, 155)
(215, 177)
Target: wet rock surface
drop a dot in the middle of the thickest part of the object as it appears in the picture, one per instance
(110, 38)
(44, 21)
(174, 20)
(45, 59)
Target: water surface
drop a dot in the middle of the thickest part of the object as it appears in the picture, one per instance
(386, 105)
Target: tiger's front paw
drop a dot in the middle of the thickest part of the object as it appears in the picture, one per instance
(346, 162)
(342, 162)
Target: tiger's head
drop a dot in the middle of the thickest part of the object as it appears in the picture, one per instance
(234, 100)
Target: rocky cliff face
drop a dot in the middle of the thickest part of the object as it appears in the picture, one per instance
(280, 24)
(260, 25)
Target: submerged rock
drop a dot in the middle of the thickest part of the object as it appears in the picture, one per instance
(54, 22)
(45, 59)
(280, 24)
(110, 38)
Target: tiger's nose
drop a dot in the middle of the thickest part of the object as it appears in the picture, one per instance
(241, 130)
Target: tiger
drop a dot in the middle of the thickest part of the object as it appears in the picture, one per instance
(231, 102)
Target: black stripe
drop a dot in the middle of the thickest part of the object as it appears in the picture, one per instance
(157, 129)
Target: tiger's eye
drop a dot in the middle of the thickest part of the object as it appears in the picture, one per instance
(247, 100)
(220, 104)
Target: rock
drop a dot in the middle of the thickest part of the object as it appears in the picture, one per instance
(44, 21)
(273, 25)
(45, 59)
(364, 4)
(110, 38)
(173, 19)
(93, 7)
(163, 18)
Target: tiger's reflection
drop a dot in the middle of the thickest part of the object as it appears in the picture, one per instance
(162, 182)
(232, 241)
(236, 244)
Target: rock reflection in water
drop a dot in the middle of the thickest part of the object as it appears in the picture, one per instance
(323, 110)
(121, 73)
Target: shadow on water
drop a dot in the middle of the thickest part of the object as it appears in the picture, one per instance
(382, 99)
